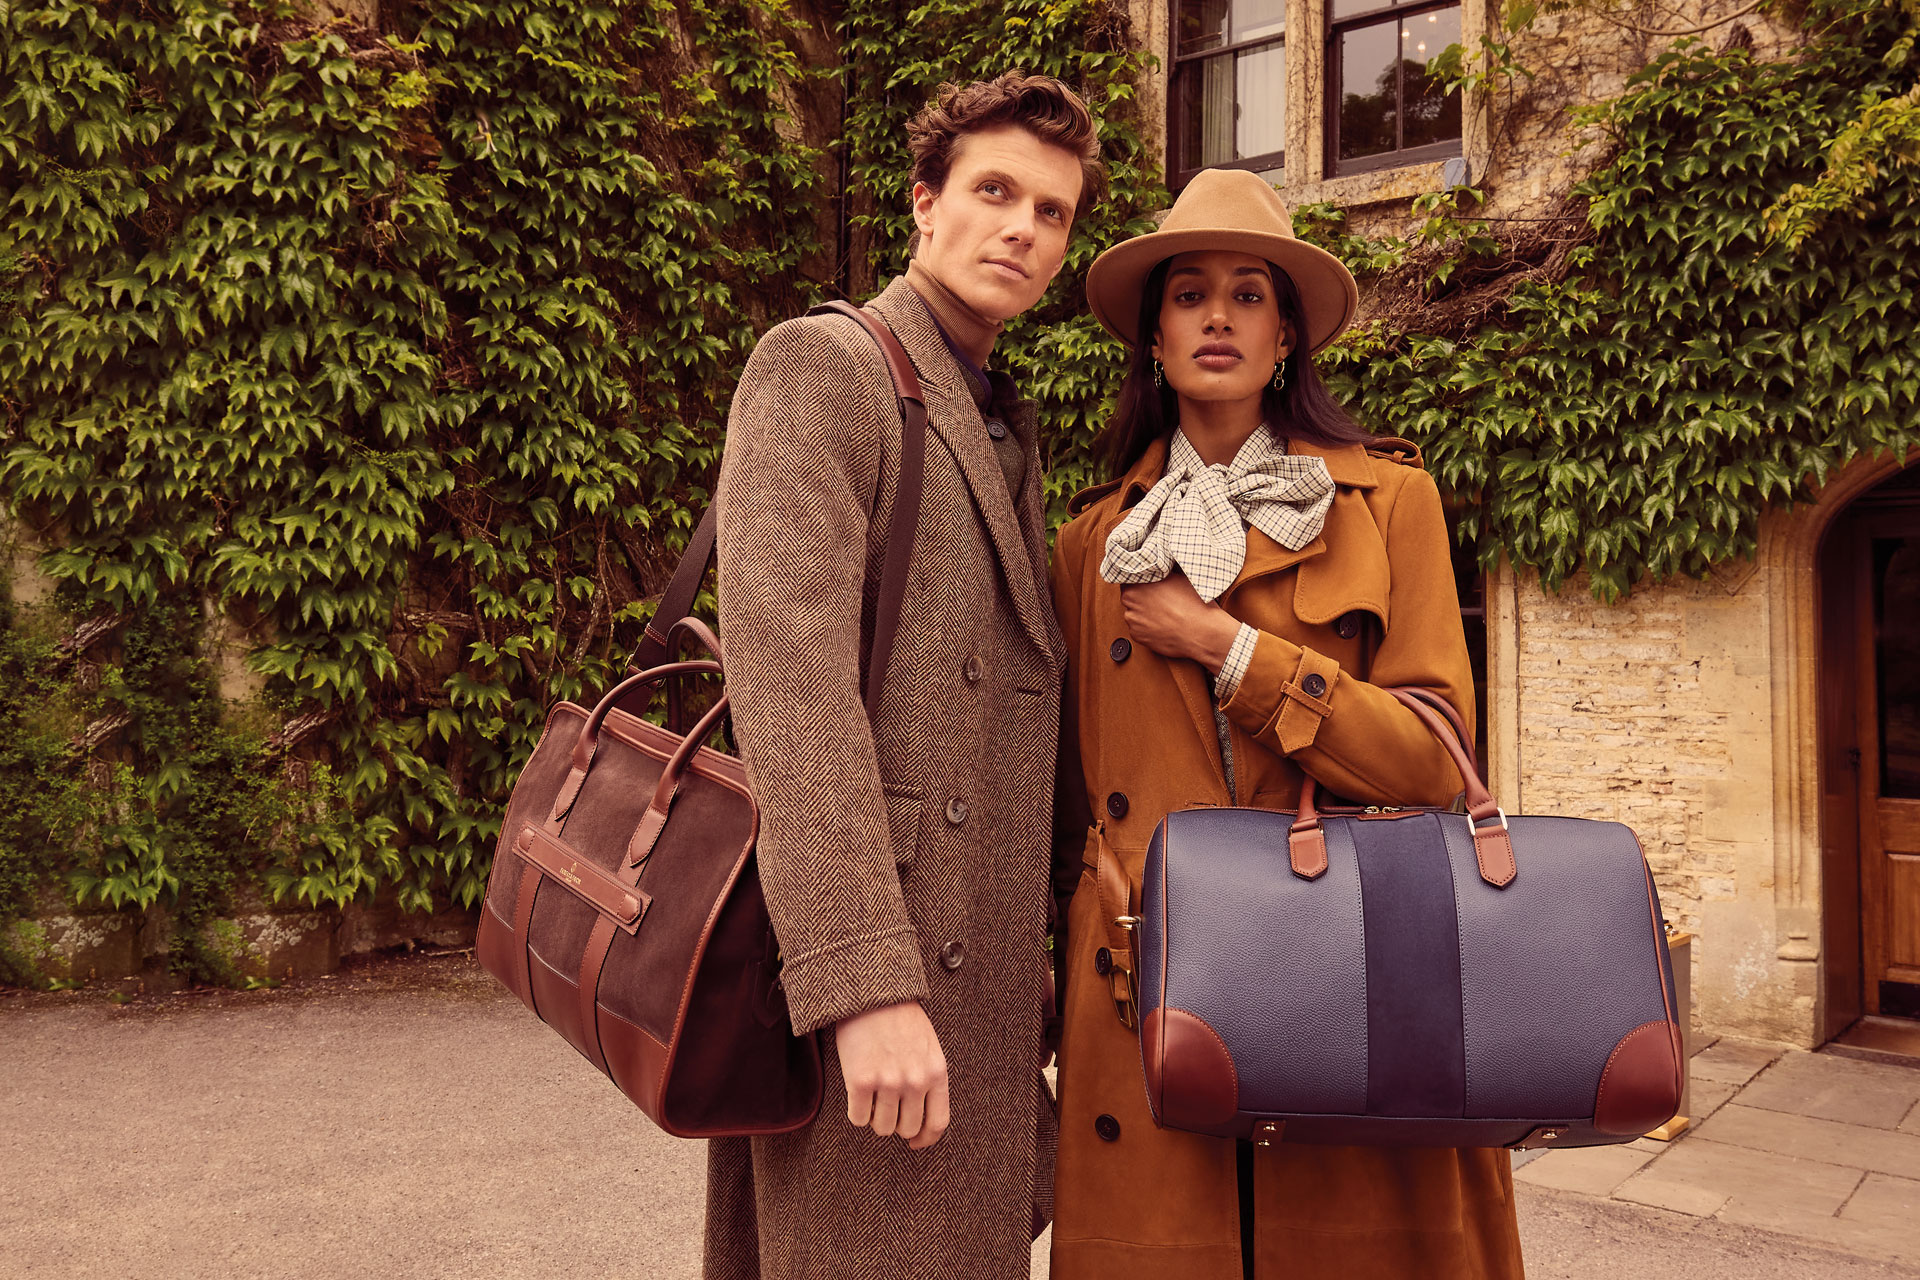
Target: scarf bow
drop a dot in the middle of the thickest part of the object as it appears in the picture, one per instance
(1195, 519)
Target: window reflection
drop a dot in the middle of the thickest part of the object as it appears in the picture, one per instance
(1389, 100)
(1431, 113)
(1370, 90)
(1203, 26)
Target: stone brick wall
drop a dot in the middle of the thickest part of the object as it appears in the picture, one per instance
(1641, 712)
(1659, 712)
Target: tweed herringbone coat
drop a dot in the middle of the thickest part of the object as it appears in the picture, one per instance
(904, 859)
(1368, 603)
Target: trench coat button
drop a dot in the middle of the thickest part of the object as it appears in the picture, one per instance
(1107, 1127)
(1349, 625)
(1314, 686)
(957, 811)
(1103, 962)
(996, 428)
(974, 669)
(1117, 805)
(1121, 650)
(952, 956)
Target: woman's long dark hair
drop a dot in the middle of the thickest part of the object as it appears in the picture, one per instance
(1303, 410)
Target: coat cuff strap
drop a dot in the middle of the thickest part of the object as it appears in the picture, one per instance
(1305, 701)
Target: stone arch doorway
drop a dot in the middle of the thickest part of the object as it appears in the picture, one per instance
(1867, 592)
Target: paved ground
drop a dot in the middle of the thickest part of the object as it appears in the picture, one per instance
(411, 1123)
(1811, 1146)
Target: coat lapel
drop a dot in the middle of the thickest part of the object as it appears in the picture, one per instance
(1345, 567)
(953, 418)
(1188, 677)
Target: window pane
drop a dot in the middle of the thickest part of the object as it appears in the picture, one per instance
(1432, 114)
(1203, 26)
(1206, 112)
(1255, 18)
(1369, 93)
(1351, 8)
(1262, 124)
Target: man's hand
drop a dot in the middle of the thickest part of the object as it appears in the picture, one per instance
(896, 1074)
(1170, 618)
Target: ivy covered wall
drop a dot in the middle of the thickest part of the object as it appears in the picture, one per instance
(386, 372)
(1735, 317)
(358, 388)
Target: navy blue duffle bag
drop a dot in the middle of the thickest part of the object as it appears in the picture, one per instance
(1404, 977)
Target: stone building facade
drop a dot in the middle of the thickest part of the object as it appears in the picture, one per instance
(1694, 711)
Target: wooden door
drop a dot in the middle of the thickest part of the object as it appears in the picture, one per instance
(1885, 555)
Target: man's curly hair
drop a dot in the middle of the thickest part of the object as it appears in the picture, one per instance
(1042, 105)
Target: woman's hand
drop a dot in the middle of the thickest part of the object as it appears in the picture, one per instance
(1170, 618)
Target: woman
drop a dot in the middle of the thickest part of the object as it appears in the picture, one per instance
(1235, 604)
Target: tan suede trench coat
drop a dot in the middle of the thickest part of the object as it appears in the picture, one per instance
(1135, 1202)
(906, 858)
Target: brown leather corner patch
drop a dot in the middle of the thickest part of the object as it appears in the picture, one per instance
(1190, 1074)
(1640, 1087)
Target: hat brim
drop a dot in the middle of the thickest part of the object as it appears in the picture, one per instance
(1328, 294)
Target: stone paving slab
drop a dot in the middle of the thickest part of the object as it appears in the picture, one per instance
(1850, 1145)
(1880, 1220)
(1912, 1123)
(1701, 1177)
(1827, 1087)
(1594, 1171)
(1705, 1097)
(1734, 1062)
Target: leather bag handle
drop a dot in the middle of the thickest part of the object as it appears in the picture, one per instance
(700, 633)
(1492, 846)
(654, 820)
(588, 743)
(677, 601)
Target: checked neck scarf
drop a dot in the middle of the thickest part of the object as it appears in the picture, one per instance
(1195, 519)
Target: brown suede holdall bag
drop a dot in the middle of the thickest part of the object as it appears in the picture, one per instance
(624, 907)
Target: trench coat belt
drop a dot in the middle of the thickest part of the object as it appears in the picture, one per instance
(1114, 897)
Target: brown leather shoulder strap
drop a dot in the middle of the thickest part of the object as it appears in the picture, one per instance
(677, 601)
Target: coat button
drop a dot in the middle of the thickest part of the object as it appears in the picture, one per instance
(957, 811)
(952, 956)
(974, 669)
(1349, 625)
(996, 428)
(1314, 686)
(1103, 962)
(1121, 650)
(1117, 806)
(1107, 1127)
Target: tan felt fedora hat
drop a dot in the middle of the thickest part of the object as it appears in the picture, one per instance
(1229, 209)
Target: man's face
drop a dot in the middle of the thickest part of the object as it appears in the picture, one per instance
(996, 234)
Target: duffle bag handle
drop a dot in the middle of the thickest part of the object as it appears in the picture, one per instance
(1492, 847)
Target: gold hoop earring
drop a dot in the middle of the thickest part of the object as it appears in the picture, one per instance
(1280, 375)
(1159, 376)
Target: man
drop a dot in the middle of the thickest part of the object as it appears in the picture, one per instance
(905, 859)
